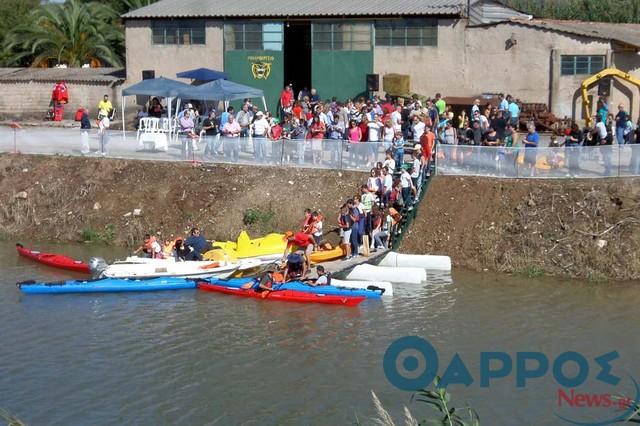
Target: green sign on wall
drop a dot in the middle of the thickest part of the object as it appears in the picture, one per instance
(341, 58)
(260, 69)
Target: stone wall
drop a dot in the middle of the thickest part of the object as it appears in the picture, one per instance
(30, 100)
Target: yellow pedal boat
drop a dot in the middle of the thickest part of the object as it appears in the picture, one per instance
(271, 246)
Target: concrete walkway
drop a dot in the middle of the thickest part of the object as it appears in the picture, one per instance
(335, 155)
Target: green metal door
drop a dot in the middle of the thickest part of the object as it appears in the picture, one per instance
(341, 58)
(253, 56)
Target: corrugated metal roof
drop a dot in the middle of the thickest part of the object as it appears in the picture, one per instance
(486, 12)
(623, 33)
(77, 75)
(294, 8)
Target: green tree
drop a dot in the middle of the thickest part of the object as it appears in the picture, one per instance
(617, 11)
(12, 14)
(124, 6)
(72, 33)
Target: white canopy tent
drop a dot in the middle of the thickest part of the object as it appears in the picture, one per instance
(161, 86)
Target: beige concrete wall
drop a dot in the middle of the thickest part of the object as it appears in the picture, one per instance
(30, 100)
(425, 65)
(472, 61)
(167, 60)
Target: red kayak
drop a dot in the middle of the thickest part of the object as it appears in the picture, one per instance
(54, 260)
(284, 295)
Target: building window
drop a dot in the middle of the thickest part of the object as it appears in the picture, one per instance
(581, 64)
(342, 36)
(178, 32)
(407, 32)
(253, 36)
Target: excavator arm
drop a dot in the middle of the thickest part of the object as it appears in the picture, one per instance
(607, 72)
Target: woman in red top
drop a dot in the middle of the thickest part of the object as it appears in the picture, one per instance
(298, 111)
(317, 131)
(286, 97)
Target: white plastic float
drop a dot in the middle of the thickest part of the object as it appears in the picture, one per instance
(385, 273)
(363, 285)
(417, 261)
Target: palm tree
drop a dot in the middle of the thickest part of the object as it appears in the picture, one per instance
(73, 33)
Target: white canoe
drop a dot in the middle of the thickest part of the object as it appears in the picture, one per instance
(364, 285)
(417, 261)
(152, 268)
(367, 272)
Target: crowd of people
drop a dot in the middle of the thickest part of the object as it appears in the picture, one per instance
(361, 131)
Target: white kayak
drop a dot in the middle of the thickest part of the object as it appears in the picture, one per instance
(364, 285)
(153, 268)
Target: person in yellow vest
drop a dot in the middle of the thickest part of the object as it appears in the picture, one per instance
(105, 104)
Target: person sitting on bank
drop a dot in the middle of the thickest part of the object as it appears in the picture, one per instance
(197, 243)
(295, 268)
(150, 247)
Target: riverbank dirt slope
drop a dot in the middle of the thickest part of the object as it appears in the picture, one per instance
(75, 199)
(587, 228)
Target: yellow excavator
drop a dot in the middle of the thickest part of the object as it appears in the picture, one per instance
(607, 72)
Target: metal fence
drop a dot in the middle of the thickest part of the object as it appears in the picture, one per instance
(520, 162)
(313, 153)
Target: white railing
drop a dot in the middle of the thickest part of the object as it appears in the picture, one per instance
(152, 143)
(520, 162)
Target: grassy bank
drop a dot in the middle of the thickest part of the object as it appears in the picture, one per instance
(588, 229)
(117, 201)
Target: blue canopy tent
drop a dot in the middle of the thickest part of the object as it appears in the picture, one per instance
(203, 74)
(160, 86)
(222, 90)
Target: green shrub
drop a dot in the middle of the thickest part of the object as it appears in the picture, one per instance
(105, 236)
(260, 219)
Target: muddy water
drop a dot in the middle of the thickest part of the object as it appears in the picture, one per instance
(198, 358)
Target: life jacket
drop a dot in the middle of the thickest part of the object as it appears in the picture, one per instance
(328, 275)
(60, 93)
(148, 245)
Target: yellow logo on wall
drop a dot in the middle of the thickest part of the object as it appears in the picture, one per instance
(261, 66)
(261, 70)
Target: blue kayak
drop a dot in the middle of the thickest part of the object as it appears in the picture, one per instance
(107, 285)
(297, 286)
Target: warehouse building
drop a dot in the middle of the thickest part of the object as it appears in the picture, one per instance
(456, 47)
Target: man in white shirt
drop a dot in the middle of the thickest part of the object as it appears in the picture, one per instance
(396, 118)
(417, 128)
(375, 127)
(260, 130)
(387, 183)
(375, 134)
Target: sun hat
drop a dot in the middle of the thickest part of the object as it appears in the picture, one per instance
(417, 147)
